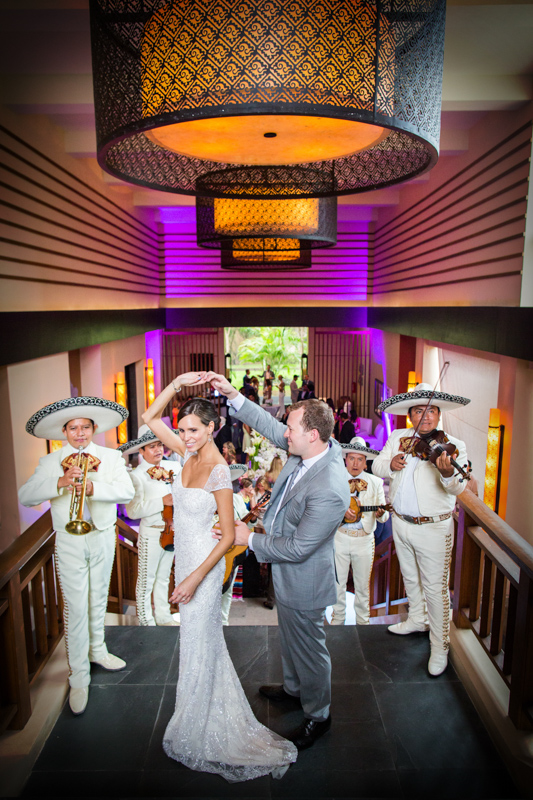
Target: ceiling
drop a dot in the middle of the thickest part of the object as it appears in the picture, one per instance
(45, 69)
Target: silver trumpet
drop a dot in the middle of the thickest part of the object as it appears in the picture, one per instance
(78, 526)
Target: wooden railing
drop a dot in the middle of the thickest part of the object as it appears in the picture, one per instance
(387, 591)
(494, 598)
(31, 619)
(31, 610)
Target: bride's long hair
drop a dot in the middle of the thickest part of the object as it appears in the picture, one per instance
(204, 410)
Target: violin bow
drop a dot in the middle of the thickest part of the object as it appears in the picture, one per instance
(432, 395)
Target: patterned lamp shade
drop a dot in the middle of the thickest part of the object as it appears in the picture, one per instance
(258, 98)
(267, 255)
(272, 225)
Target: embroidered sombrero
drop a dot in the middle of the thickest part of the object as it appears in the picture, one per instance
(47, 423)
(144, 437)
(358, 445)
(401, 403)
(237, 471)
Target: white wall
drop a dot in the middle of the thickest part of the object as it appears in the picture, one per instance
(32, 385)
(519, 507)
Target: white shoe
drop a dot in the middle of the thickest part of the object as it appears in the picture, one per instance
(407, 626)
(110, 662)
(77, 700)
(437, 663)
(174, 619)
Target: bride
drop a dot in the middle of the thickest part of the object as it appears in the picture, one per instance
(213, 728)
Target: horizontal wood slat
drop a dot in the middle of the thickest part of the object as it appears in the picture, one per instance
(58, 230)
(468, 229)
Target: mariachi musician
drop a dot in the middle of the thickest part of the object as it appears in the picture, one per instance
(152, 483)
(422, 494)
(84, 558)
(354, 540)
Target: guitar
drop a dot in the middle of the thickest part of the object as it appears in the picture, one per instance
(360, 510)
(236, 550)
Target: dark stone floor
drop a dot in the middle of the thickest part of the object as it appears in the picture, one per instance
(396, 733)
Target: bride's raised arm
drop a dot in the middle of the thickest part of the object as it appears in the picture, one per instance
(152, 415)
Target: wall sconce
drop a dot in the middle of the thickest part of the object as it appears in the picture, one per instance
(149, 383)
(54, 444)
(411, 383)
(120, 398)
(491, 492)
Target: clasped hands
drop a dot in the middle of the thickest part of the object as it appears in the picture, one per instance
(72, 480)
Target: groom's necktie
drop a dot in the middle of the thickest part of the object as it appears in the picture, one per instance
(293, 477)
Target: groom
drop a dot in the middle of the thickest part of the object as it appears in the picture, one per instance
(308, 503)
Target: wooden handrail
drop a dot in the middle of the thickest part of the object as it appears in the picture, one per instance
(493, 598)
(507, 538)
(23, 548)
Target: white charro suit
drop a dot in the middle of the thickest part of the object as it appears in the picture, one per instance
(84, 563)
(355, 545)
(155, 564)
(424, 550)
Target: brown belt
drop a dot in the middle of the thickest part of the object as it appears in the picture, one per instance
(423, 520)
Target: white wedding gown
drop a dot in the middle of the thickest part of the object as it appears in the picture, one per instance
(213, 728)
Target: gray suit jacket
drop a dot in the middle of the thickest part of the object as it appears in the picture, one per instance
(300, 536)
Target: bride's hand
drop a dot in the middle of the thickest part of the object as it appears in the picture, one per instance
(191, 378)
(184, 591)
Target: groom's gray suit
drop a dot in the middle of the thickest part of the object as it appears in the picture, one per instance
(300, 545)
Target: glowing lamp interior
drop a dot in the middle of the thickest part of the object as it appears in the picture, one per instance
(266, 217)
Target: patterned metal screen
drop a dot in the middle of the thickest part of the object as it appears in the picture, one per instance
(311, 221)
(158, 64)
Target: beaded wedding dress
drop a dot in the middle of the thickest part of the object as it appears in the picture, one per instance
(213, 728)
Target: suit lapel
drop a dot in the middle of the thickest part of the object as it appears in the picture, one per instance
(307, 477)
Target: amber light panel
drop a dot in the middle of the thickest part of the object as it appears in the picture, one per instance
(296, 217)
(493, 458)
(120, 398)
(149, 382)
(275, 249)
(242, 140)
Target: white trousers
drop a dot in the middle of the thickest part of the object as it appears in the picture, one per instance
(227, 597)
(359, 552)
(424, 553)
(153, 575)
(84, 565)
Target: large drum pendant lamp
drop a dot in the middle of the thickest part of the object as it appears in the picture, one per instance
(278, 98)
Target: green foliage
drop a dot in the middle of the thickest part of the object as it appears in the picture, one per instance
(282, 348)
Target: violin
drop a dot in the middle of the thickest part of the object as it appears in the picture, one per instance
(166, 539)
(431, 445)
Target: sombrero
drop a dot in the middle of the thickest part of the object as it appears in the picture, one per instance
(401, 403)
(144, 437)
(237, 471)
(47, 423)
(358, 445)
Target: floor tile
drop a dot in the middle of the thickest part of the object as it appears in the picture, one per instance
(88, 783)
(394, 658)
(347, 659)
(248, 648)
(449, 784)
(434, 727)
(148, 654)
(112, 734)
(187, 783)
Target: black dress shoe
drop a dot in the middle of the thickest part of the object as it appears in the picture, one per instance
(309, 731)
(268, 604)
(278, 694)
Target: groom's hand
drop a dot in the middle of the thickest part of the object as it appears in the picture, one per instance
(242, 532)
(222, 385)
